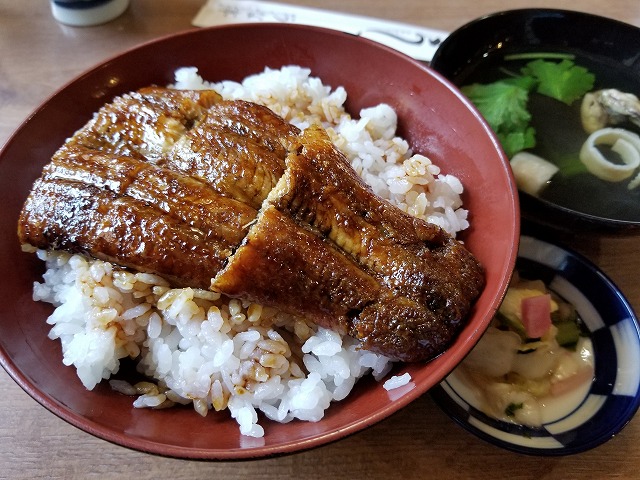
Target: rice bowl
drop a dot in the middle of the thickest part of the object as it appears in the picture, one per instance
(433, 118)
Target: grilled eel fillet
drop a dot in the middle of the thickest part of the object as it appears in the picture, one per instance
(226, 195)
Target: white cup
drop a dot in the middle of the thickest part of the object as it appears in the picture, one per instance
(83, 13)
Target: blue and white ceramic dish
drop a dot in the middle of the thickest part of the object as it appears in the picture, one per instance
(614, 395)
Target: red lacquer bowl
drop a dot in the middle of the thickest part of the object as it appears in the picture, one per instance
(433, 117)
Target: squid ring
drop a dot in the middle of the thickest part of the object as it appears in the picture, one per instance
(623, 142)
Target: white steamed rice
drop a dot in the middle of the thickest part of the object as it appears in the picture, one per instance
(217, 353)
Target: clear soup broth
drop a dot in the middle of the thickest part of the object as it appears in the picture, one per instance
(560, 136)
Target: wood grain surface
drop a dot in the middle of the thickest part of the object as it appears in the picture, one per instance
(38, 56)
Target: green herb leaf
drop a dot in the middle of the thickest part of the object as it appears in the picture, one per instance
(564, 81)
(516, 141)
(503, 104)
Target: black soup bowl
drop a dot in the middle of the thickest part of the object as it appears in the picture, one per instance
(576, 200)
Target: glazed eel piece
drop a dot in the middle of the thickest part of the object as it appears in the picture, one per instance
(228, 196)
(325, 246)
(135, 214)
(125, 187)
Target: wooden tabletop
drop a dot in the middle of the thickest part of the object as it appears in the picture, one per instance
(38, 55)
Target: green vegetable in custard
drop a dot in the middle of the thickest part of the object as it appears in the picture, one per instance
(511, 322)
(570, 328)
(568, 334)
(511, 409)
(504, 103)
